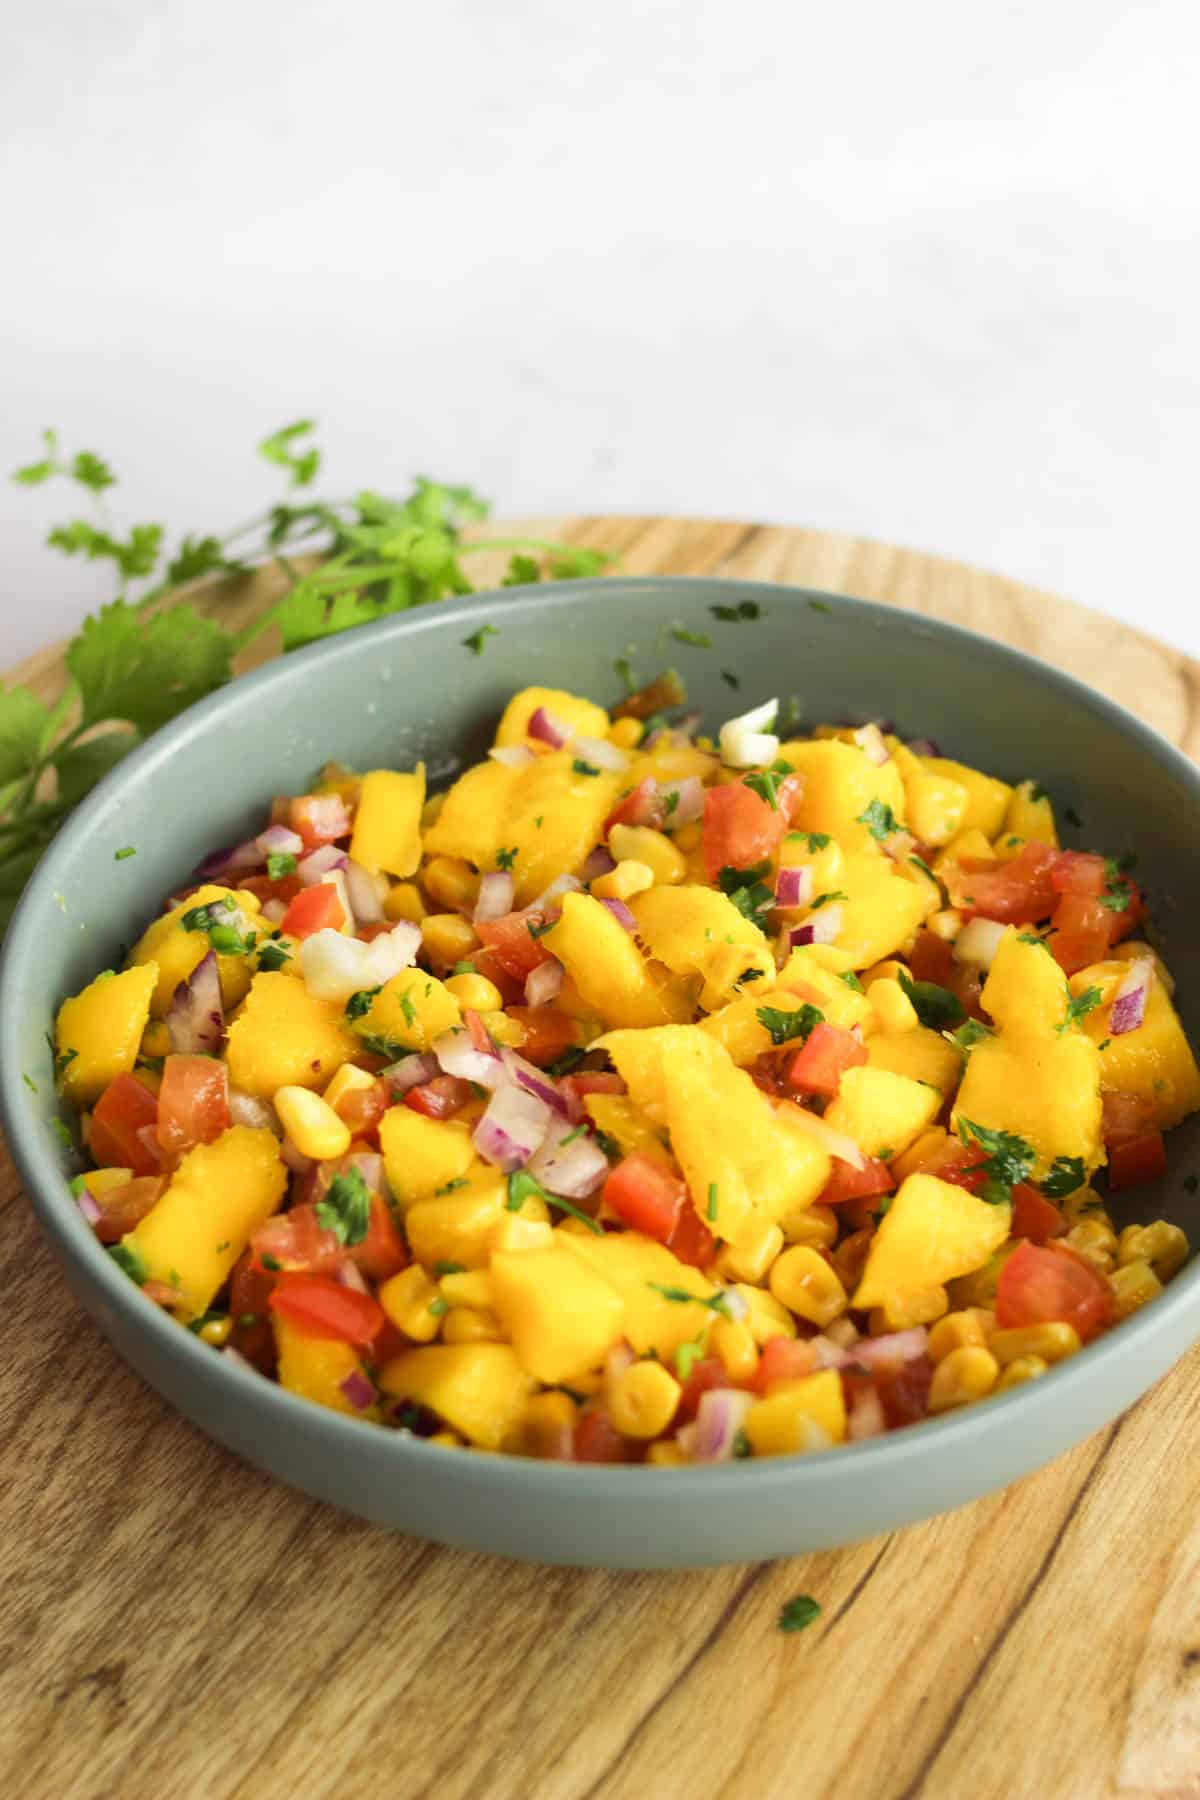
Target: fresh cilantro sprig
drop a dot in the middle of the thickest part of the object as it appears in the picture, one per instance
(134, 664)
(346, 1208)
(936, 1007)
(785, 1025)
(1007, 1160)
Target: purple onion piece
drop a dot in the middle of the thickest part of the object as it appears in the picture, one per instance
(496, 894)
(277, 840)
(358, 1390)
(234, 859)
(88, 1207)
(544, 983)
(196, 1016)
(719, 1418)
(621, 913)
(410, 1072)
(1128, 1011)
(512, 1128)
(328, 860)
(598, 863)
(895, 1347)
(568, 1165)
(547, 729)
(794, 886)
(534, 1081)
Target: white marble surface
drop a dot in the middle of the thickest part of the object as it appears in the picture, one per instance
(927, 272)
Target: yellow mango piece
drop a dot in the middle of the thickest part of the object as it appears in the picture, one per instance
(692, 929)
(931, 1233)
(618, 1117)
(387, 824)
(1156, 1060)
(581, 718)
(798, 1416)
(883, 1112)
(220, 1193)
(1043, 1089)
(987, 798)
(637, 1268)
(936, 805)
(461, 1226)
(177, 952)
(283, 1037)
(421, 1155)
(543, 814)
(1025, 989)
(881, 910)
(670, 763)
(408, 1012)
(815, 972)
(1030, 815)
(479, 1389)
(740, 1032)
(800, 851)
(840, 784)
(562, 1315)
(315, 1368)
(970, 843)
(609, 971)
(922, 1055)
(99, 1032)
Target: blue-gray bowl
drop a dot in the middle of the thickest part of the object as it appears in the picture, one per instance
(411, 688)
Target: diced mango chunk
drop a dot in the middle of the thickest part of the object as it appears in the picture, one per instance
(407, 1014)
(479, 1389)
(638, 1268)
(931, 1233)
(579, 717)
(987, 797)
(1154, 1061)
(99, 1031)
(1045, 1090)
(922, 1055)
(1025, 987)
(422, 1155)
(609, 971)
(284, 1037)
(798, 1416)
(177, 952)
(387, 824)
(561, 1315)
(840, 785)
(882, 1111)
(315, 1368)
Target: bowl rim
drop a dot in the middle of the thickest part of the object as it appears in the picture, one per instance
(888, 1454)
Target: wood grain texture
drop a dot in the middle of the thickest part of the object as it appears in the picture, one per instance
(174, 1624)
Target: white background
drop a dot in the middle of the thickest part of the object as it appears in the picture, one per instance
(926, 271)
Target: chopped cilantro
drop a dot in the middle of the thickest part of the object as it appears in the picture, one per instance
(918, 862)
(730, 679)
(745, 887)
(452, 1187)
(827, 899)
(712, 1199)
(62, 1133)
(408, 1009)
(935, 1006)
(346, 1208)
(273, 956)
(970, 1033)
(765, 783)
(745, 609)
(820, 606)
(280, 863)
(538, 822)
(851, 980)
(506, 858)
(579, 767)
(816, 840)
(390, 1049)
(884, 1207)
(1105, 1043)
(465, 967)
(123, 855)
(749, 975)
(570, 1059)
(478, 638)
(1072, 817)
(1007, 1160)
(800, 1612)
(625, 670)
(1191, 1183)
(359, 1004)
(718, 1302)
(30, 1083)
(783, 1025)
(522, 1187)
(683, 636)
(539, 929)
(741, 1444)
(686, 1358)
(1079, 1006)
(1031, 937)
(438, 1307)
(127, 1258)
(609, 1145)
(271, 1262)
(1067, 1173)
(449, 1268)
(880, 821)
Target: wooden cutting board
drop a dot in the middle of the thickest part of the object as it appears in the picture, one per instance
(174, 1624)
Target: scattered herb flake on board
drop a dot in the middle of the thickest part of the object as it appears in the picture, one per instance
(798, 1614)
(478, 639)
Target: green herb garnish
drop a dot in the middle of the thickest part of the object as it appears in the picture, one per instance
(880, 821)
(280, 863)
(346, 1208)
(127, 1259)
(272, 956)
(1067, 1173)
(125, 854)
(697, 638)
(506, 858)
(851, 980)
(800, 1612)
(1079, 1006)
(784, 1026)
(827, 899)
(765, 783)
(712, 1199)
(579, 767)
(1007, 1161)
(936, 1007)
(359, 1004)
(479, 638)
(816, 840)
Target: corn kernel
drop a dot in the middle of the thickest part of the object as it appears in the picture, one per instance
(843, 1332)
(504, 1030)
(750, 1261)
(431, 812)
(513, 1232)
(850, 1258)
(1053, 1342)
(1162, 1245)
(918, 1306)
(1132, 1286)
(156, 1039)
(667, 1455)
(733, 1341)
(893, 1008)
(641, 844)
(471, 1325)
(217, 1331)
(946, 924)
(689, 838)
(476, 993)
(403, 901)
(349, 1078)
(450, 881)
(955, 1332)
(548, 1427)
(625, 733)
(623, 882)
(815, 1225)
(1095, 1240)
(803, 1281)
(407, 1300)
(1022, 1369)
(447, 938)
(467, 1287)
(966, 1374)
(643, 1400)
(311, 1123)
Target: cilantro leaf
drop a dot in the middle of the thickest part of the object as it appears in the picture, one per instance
(935, 1006)
(816, 840)
(280, 449)
(1007, 1160)
(91, 471)
(851, 980)
(346, 1208)
(970, 1033)
(478, 638)
(827, 899)
(880, 821)
(799, 1613)
(1079, 1006)
(34, 473)
(522, 571)
(1067, 1174)
(146, 670)
(765, 783)
(359, 1004)
(696, 638)
(784, 1026)
(23, 725)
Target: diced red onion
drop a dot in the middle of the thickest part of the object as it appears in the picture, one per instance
(274, 911)
(925, 747)
(689, 800)
(822, 928)
(866, 1418)
(828, 1355)
(410, 1072)
(895, 1347)
(359, 1390)
(513, 756)
(794, 887)
(719, 1418)
(236, 1359)
(277, 840)
(350, 1275)
(248, 1109)
(621, 913)
(575, 1169)
(219, 864)
(319, 863)
(547, 729)
(196, 1015)
(601, 754)
(88, 1207)
(544, 983)
(512, 1128)
(369, 1164)
(978, 942)
(495, 896)
(298, 1163)
(367, 891)
(457, 1055)
(534, 1081)
(328, 815)
(836, 1142)
(391, 952)
(562, 884)
(1129, 1004)
(335, 966)
(870, 739)
(598, 863)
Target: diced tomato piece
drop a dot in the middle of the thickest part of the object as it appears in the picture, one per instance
(1043, 1284)
(818, 1067)
(314, 909)
(691, 1241)
(319, 818)
(249, 1290)
(1016, 892)
(486, 963)
(849, 1183)
(548, 1033)
(193, 1102)
(121, 1208)
(961, 1165)
(381, 1253)
(513, 944)
(1124, 1116)
(297, 1241)
(783, 1359)
(593, 1081)
(903, 1389)
(1082, 932)
(440, 1098)
(1034, 1217)
(362, 1108)
(1078, 872)
(707, 1372)
(123, 1112)
(642, 805)
(931, 958)
(326, 1309)
(740, 828)
(597, 1439)
(1135, 1163)
(646, 1196)
(284, 888)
